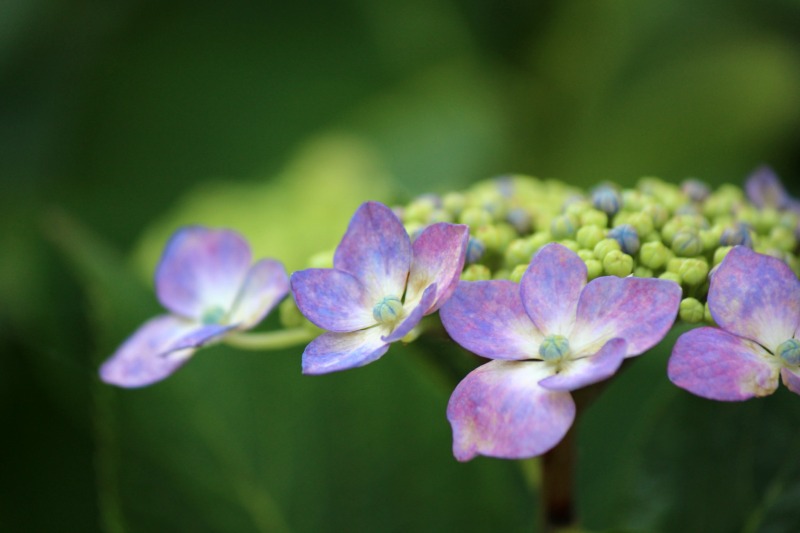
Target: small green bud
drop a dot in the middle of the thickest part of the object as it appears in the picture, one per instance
(476, 272)
(695, 190)
(672, 276)
(691, 311)
(419, 210)
(585, 254)
(766, 219)
(605, 246)
(589, 236)
(627, 237)
(321, 260)
(658, 214)
(737, 234)
(475, 250)
(641, 222)
(516, 274)
(388, 311)
(788, 350)
(674, 264)
(454, 202)
(707, 315)
(539, 239)
(783, 238)
(503, 273)
(642, 272)
(594, 268)
(606, 199)
(710, 238)
(632, 200)
(475, 217)
(687, 243)
(289, 315)
(693, 271)
(617, 263)
(569, 243)
(594, 217)
(440, 215)
(563, 226)
(654, 255)
(720, 253)
(577, 207)
(520, 219)
(518, 252)
(554, 348)
(492, 237)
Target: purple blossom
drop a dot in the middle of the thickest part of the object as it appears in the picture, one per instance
(755, 299)
(379, 288)
(206, 281)
(765, 189)
(549, 335)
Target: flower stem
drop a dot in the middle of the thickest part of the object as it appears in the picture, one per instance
(558, 473)
(274, 340)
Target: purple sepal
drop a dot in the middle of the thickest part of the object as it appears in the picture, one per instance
(202, 335)
(331, 352)
(147, 356)
(333, 299)
(791, 379)
(376, 250)
(266, 284)
(487, 318)
(201, 268)
(585, 371)
(499, 410)
(755, 296)
(718, 365)
(438, 258)
(413, 317)
(765, 189)
(550, 288)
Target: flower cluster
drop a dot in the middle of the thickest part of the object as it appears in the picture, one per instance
(555, 286)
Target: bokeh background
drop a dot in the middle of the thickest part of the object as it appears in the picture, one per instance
(119, 121)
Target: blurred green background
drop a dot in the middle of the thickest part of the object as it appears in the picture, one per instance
(121, 120)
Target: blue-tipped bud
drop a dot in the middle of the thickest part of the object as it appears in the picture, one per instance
(738, 234)
(627, 237)
(388, 311)
(696, 190)
(563, 226)
(520, 219)
(554, 348)
(687, 243)
(475, 250)
(606, 199)
(789, 351)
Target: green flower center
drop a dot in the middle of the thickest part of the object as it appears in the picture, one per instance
(213, 315)
(388, 311)
(789, 351)
(554, 348)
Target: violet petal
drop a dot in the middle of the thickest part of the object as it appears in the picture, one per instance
(791, 378)
(266, 284)
(413, 318)
(331, 352)
(755, 296)
(715, 364)
(438, 258)
(333, 299)
(487, 318)
(587, 370)
(765, 189)
(499, 410)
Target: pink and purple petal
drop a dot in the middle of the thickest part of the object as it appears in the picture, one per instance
(550, 288)
(201, 269)
(201, 335)
(718, 365)
(146, 356)
(755, 296)
(333, 299)
(791, 378)
(499, 410)
(266, 284)
(331, 352)
(639, 310)
(587, 370)
(765, 189)
(376, 250)
(413, 318)
(487, 318)
(437, 258)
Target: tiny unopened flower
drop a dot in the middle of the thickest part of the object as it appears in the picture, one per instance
(755, 300)
(548, 335)
(380, 287)
(206, 280)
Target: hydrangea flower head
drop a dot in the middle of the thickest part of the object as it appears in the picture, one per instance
(548, 335)
(206, 280)
(755, 299)
(379, 288)
(765, 189)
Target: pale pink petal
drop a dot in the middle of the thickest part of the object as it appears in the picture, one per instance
(487, 318)
(755, 296)
(333, 299)
(376, 250)
(587, 370)
(791, 378)
(550, 288)
(201, 270)
(266, 285)
(500, 410)
(147, 356)
(718, 365)
(437, 258)
(331, 352)
(639, 310)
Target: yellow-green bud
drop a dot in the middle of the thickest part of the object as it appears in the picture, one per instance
(671, 276)
(617, 263)
(687, 243)
(783, 238)
(605, 246)
(476, 272)
(289, 315)
(321, 260)
(518, 252)
(594, 268)
(642, 272)
(475, 217)
(419, 210)
(491, 236)
(577, 207)
(569, 243)
(710, 237)
(503, 273)
(594, 217)
(691, 311)
(658, 214)
(589, 236)
(563, 226)
(693, 271)
(539, 239)
(766, 219)
(720, 253)
(707, 315)
(654, 255)
(454, 202)
(632, 200)
(641, 222)
(585, 254)
(440, 215)
(516, 274)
